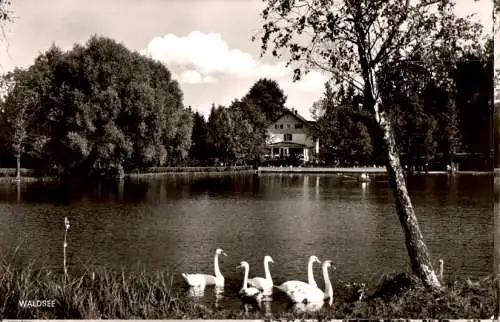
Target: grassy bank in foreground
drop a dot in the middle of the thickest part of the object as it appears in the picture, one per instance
(107, 294)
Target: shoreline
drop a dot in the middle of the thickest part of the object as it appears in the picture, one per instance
(27, 179)
(194, 170)
(360, 170)
(370, 171)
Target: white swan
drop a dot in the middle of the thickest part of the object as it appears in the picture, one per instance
(328, 284)
(249, 292)
(202, 280)
(265, 285)
(301, 292)
(290, 286)
(310, 275)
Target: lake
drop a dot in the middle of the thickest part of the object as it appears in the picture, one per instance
(175, 223)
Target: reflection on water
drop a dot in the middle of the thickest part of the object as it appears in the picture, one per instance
(175, 223)
(198, 294)
(263, 306)
(307, 308)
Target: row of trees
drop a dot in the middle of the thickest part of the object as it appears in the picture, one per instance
(433, 119)
(101, 107)
(96, 108)
(237, 134)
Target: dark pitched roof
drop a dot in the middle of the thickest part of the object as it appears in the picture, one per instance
(296, 115)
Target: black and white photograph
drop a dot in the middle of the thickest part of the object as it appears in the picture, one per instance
(249, 159)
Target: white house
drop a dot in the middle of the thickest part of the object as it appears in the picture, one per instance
(290, 134)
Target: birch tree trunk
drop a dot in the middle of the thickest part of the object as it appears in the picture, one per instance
(421, 263)
(420, 260)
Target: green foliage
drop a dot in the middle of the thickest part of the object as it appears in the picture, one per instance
(268, 97)
(237, 134)
(5, 13)
(219, 128)
(200, 149)
(252, 128)
(423, 87)
(99, 107)
(10, 172)
(352, 40)
(205, 169)
(232, 135)
(341, 125)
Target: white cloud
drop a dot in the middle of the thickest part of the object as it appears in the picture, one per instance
(207, 58)
(310, 83)
(209, 54)
(194, 77)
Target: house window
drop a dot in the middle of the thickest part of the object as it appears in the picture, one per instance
(281, 126)
(299, 126)
(287, 137)
(275, 126)
(288, 126)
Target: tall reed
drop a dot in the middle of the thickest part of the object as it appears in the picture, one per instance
(65, 245)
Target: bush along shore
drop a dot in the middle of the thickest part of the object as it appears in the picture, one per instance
(100, 293)
(8, 175)
(158, 171)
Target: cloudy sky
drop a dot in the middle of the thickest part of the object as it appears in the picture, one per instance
(205, 43)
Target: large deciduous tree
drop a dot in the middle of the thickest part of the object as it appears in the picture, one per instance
(234, 137)
(353, 40)
(341, 125)
(200, 151)
(268, 97)
(103, 107)
(18, 109)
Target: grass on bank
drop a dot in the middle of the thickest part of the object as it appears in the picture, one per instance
(108, 294)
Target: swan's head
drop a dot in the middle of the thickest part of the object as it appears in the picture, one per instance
(268, 259)
(243, 264)
(219, 251)
(327, 264)
(314, 259)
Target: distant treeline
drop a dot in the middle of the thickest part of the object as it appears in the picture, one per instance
(101, 108)
(441, 110)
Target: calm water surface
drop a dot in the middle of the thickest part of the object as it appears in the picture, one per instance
(177, 222)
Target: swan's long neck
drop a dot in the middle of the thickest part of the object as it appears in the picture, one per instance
(310, 275)
(328, 284)
(216, 266)
(267, 272)
(245, 277)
